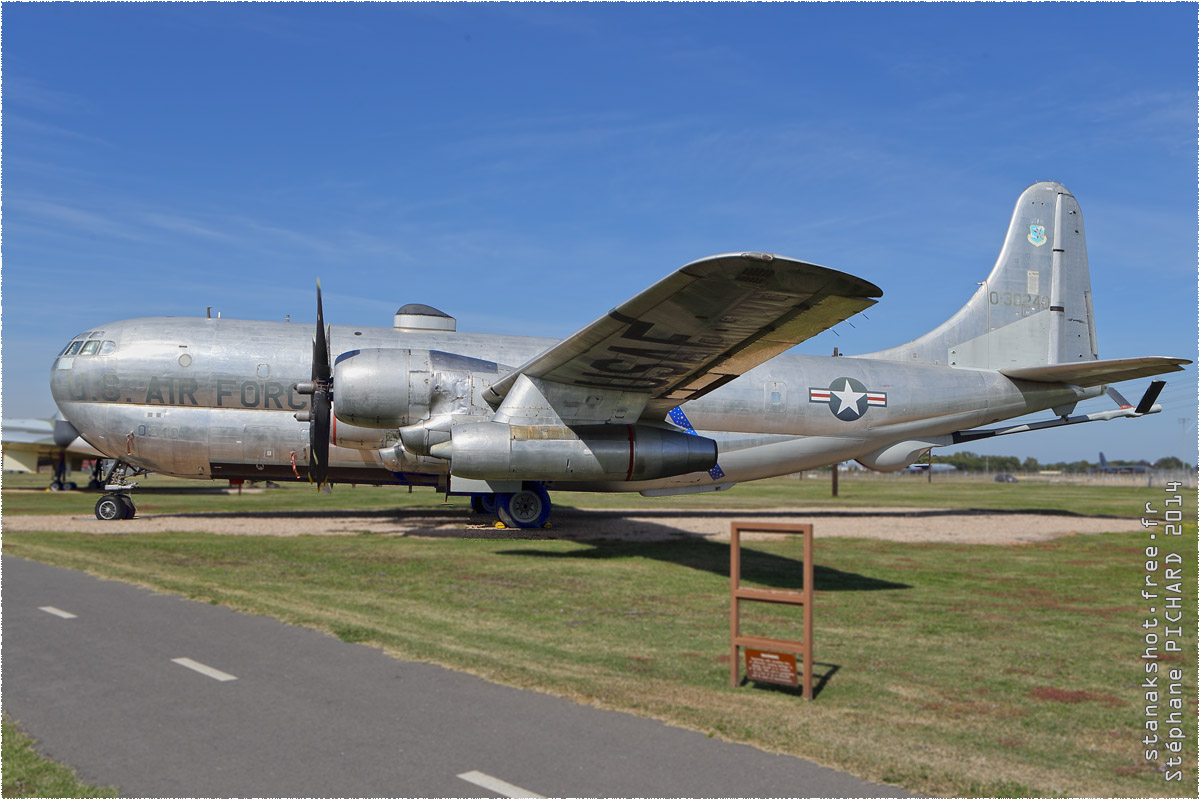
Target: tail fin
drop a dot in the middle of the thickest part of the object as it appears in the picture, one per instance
(1034, 309)
(1103, 460)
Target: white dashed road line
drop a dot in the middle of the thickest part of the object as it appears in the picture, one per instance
(58, 612)
(502, 788)
(204, 669)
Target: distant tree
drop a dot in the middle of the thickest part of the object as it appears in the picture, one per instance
(1031, 465)
(1171, 463)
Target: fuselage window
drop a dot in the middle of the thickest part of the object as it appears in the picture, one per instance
(73, 349)
(90, 348)
(108, 348)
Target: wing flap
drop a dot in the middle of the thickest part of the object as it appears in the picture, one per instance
(700, 328)
(1097, 373)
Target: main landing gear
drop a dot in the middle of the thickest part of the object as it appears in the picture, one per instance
(117, 504)
(527, 508)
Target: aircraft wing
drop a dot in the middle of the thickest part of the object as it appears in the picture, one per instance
(700, 327)
(1096, 373)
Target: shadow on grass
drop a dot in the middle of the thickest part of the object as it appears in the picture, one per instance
(565, 515)
(696, 552)
(823, 513)
(820, 679)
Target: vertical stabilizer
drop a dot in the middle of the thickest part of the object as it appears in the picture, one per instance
(1035, 308)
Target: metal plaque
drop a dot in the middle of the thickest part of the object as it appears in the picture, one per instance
(765, 667)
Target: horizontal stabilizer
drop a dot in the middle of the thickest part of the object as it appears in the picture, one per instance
(1096, 373)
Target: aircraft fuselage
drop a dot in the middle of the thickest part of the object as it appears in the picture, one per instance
(215, 398)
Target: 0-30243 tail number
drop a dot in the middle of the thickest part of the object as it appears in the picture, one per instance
(1018, 299)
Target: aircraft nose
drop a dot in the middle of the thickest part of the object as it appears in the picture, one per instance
(84, 356)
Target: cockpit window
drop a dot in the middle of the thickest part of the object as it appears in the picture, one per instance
(96, 335)
(107, 348)
(90, 348)
(73, 349)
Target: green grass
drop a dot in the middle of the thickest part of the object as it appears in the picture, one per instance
(28, 774)
(951, 669)
(160, 495)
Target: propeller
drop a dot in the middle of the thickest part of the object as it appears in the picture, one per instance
(320, 409)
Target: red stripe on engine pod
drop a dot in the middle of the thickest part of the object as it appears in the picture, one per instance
(629, 474)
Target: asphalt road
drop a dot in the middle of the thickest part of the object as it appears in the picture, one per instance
(120, 692)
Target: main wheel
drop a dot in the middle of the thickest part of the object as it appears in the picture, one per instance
(127, 503)
(110, 507)
(483, 503)
(528, 508)
(56, 486)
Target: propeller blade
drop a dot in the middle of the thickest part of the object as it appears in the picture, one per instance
(321, 369)
(318, 438)
(322, 402)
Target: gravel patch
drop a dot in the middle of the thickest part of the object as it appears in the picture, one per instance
(890, 524)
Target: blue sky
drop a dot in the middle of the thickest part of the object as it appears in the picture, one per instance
(527, 167)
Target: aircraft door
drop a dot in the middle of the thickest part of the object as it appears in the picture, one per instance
(776, 397)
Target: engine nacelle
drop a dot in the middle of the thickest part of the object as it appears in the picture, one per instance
(894, 457)
(495, 451)
(343, 434)
(382, 388)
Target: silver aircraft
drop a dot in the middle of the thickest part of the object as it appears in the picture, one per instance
(685, 388)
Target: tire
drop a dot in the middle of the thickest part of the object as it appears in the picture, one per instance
(483, 503)
(528, 508)
(94, 485)
(56, 486)
(127, 504)
(70, 486)
(111, 507)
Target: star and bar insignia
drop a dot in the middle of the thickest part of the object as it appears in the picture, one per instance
(848, 399)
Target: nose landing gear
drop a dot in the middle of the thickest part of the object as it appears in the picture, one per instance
(117, 504)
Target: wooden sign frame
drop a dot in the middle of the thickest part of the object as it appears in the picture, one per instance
(738, 594)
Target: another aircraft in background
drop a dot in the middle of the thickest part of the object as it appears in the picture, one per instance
(684, 388)
(30, 443)
(1133, 469)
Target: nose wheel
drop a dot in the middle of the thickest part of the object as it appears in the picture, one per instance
(115, 506)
